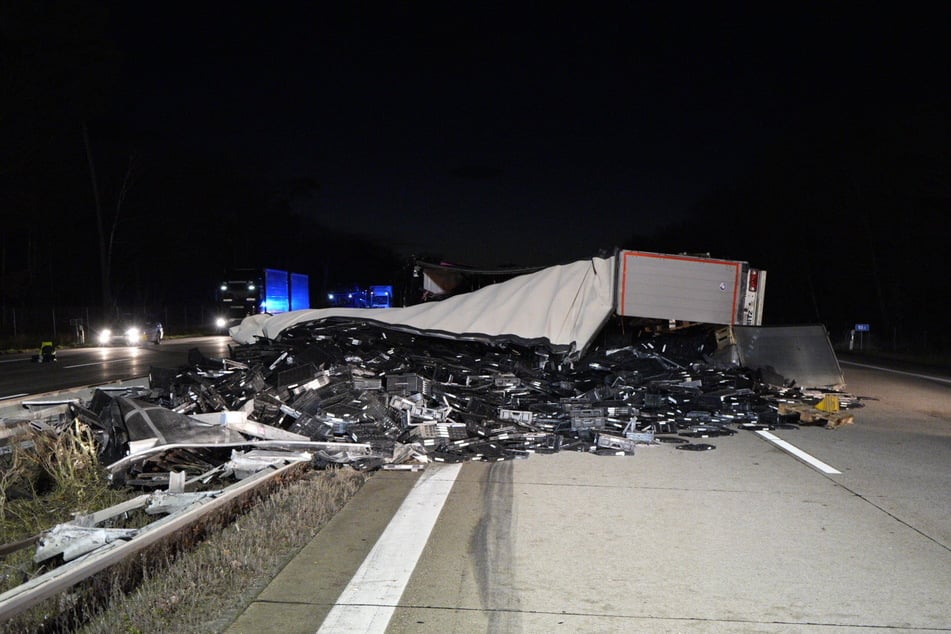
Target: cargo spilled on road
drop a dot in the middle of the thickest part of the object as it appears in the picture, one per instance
(538, 364)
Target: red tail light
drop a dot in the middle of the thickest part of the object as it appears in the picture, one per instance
(754, 280)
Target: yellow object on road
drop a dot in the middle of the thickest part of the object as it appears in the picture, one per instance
(829, 403)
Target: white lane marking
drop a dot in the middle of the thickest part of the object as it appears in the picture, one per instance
(82, 365)
(799, 453)
(368, 602)
(4, 398)
(13, 360)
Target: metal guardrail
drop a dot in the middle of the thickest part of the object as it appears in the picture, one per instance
(27, 595)
(25, 406)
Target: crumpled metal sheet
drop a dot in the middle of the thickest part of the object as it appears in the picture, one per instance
(801, 354)
(71, 540)
(147, 421)
(246, 463)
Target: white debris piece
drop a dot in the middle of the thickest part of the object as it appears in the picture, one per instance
(72, 541)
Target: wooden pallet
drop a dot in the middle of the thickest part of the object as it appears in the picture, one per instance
(809, 415)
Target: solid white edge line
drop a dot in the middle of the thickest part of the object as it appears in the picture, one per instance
(929, 377)
(799, 453)
(369, 600)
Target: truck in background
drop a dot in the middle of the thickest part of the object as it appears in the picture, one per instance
(377, 296)
(380, 296)
(253, 291)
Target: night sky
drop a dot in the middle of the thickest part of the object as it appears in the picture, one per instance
(488, 135)
(527, 135)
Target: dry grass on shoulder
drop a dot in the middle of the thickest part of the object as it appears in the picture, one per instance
(194, 581)
(203, 590)
(45, 481)
(49, 482)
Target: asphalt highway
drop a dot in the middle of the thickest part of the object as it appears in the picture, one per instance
(744, 538)
(20, 376)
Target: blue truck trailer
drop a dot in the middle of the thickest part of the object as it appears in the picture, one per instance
(252, 291)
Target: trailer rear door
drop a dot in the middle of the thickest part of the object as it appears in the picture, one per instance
(680, 287)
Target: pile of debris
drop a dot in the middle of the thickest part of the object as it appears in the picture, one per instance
(356, 393)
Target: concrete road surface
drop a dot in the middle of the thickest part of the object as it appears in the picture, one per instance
(853, 535)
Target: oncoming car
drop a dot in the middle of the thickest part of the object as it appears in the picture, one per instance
(131, 334)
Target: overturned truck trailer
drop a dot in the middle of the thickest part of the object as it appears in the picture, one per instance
(690, 289)
(560, 307)
(564, 307)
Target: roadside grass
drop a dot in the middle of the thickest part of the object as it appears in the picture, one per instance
(46, 478)
(52, 477)
(205, 588)
(47, 481)
(196, 580)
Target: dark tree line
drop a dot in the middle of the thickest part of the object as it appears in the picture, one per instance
(100, 212)
(850, 216)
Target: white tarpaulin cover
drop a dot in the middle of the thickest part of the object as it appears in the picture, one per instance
(562, 307)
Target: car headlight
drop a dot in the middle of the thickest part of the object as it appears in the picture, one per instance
(105, 336)
(221, 322)
(132, 335)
